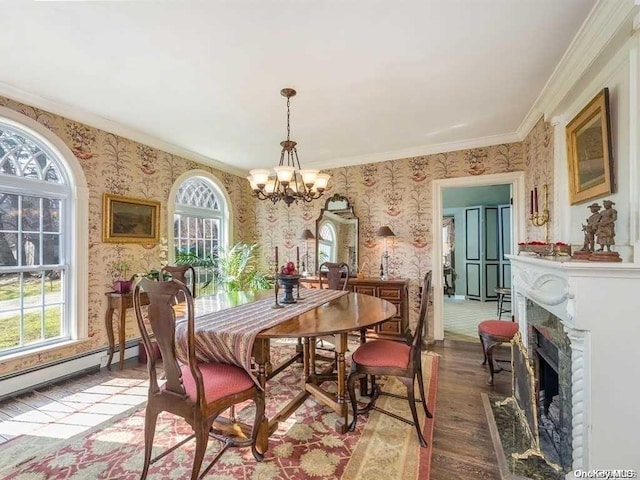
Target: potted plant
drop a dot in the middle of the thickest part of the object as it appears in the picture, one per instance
(233, 270)
(119, 270)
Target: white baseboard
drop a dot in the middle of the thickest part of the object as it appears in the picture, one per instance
(28, 381)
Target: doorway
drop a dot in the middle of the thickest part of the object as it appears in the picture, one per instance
(515, 182)
(477, 223)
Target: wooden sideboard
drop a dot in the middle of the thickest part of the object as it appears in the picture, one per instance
(395, 291)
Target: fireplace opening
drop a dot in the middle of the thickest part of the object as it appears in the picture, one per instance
(548, 397)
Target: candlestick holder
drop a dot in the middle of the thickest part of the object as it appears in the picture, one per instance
(276, 286)
(541, 218)
(298, 297)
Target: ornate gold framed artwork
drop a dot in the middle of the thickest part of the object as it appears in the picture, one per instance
(589, 151)
(130, 220)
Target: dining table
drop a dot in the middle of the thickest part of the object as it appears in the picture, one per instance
(238, 328)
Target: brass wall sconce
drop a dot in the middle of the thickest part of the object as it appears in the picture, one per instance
(540, 218)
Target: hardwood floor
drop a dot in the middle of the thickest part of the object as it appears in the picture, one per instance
(462, 447)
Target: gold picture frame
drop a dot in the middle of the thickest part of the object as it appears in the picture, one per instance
(130, 220)
(589, 151)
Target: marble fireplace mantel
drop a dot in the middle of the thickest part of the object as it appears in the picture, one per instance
(599, 307)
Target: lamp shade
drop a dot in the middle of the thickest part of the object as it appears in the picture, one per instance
(385, 232)
(307, 234)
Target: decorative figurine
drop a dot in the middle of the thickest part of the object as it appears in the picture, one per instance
(605, 234)
(589, 230)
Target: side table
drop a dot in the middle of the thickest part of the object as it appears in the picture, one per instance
(120, 302)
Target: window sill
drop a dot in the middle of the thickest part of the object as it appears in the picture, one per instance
(43, 349)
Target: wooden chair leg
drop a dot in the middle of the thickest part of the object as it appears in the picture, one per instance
(202, 438)
(150, 420)
(492, 370)
(351, 388)
(422, 395)
(484, 349)
(257, 421)
(414, 413)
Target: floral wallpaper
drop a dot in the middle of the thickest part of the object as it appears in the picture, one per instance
(120, 166)
(396, 193)
(538, 159)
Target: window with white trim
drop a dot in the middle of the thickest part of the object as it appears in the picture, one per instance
(35, 204)
(200, 219)
(327, 243)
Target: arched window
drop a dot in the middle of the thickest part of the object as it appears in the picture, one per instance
(201, 217)
(327, 243)
(38, 239)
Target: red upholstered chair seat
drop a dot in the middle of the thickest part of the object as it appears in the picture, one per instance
(219, 379)
(498, 328)
(493, 333)
(380, 353)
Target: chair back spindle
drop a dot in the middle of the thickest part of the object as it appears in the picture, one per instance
(335, 274)
(182, 273)
(421, 325)
(162, 321)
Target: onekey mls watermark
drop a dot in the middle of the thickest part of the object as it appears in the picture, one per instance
(606, 473)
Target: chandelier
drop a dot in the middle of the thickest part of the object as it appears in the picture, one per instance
(291, 183)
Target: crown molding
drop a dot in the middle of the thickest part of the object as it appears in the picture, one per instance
(418, 151)
(79, 115)
(601, 27)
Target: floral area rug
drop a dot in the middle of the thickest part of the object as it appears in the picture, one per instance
(306, 446)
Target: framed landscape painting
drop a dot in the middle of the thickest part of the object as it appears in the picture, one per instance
(130, 220)
(589, 151)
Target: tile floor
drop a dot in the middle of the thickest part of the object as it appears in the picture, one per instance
(73, 406)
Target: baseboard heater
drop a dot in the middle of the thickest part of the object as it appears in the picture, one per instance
(27, 380)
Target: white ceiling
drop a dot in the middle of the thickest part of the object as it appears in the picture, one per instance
(375, 79)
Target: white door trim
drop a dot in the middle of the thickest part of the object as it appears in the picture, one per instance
(518, 228)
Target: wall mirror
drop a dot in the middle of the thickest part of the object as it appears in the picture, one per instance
(337, 233)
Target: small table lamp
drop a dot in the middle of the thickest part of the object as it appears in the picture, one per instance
(385, 232)
(306, 236)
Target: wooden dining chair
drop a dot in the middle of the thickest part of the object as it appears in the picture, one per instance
(196, 391)
(334, 275)
(179, 272)
(397, 359)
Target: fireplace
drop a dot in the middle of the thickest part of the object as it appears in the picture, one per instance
(577, 319)
(548, 347)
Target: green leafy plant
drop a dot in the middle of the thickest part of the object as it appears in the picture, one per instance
(233, 269)
(119, 269)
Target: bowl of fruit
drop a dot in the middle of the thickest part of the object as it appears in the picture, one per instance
(288, 278)
(289, 270)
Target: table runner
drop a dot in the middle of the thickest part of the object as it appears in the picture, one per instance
(227, 336)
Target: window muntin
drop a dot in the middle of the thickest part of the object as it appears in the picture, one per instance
(199, 221)
(327, 243)
(33, 244)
